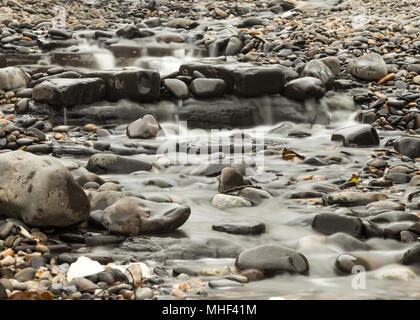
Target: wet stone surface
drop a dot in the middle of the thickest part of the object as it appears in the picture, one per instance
(117, 188)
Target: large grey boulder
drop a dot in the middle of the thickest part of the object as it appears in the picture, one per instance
(12, 78)
(371, 66)
(69, 92)
(304, 88)
(131, 215)
(272, 259)
(40, 191)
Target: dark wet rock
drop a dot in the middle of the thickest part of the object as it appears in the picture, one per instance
(36, 133)
(69, 92)
(411, 256)
(230, 178)
(22, 106)
(176, 87)
(131, 215)
(330, 223)
(131, 83)
(348, 264)
(368, 67)
(315, 161)
(257, 81)
(111, 163)
(12, 78)
(233, 47)
(245, 81)
(393, 230)
(43, 194)
(39, 149)
(408, 146)
(207, 88)
(182, 23)
(317, 69)
(249, 22)
(60, 33)
(354, 198)
(96, 239)
(179, 270)
(66, 258)
(272, 259)
(143, 128)
(89, 177)
(224, 283)
(414, 68)
(209, 169)
(347, 242)
(65, 75)
(240, 227)
(131, 32)
(304, 88)
(361, 135)
(218, 113)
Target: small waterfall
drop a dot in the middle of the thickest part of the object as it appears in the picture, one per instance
(104, 58)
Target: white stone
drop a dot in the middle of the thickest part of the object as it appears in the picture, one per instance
(83, 267)
(225, 201)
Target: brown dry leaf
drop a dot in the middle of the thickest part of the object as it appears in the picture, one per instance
(289, 154)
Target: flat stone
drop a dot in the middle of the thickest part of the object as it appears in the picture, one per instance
(330, 223)
(272, 259)
(240, 227)
(362, 135)
(69, 92)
